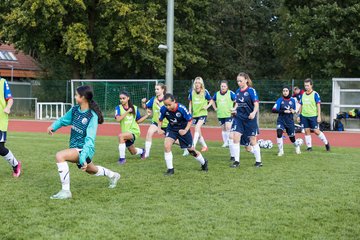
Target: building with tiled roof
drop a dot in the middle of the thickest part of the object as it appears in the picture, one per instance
(16, 65)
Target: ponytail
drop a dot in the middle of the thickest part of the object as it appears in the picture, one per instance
(95, 107)
(247, 77)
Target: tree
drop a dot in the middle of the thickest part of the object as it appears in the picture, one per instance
(319, 38)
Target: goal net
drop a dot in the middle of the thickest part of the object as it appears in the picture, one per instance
(106, 92)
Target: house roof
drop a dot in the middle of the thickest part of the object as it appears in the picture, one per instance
(17, 63)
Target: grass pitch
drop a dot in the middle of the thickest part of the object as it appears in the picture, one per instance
(309, 196)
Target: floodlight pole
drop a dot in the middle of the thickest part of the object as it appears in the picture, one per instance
(170, 46)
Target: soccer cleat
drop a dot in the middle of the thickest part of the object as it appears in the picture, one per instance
(297, 150)
(309, 149)
(186, 152)
(17, 170)
(235, 164)
(122, 161)
(204, 149)
(63, 194)
(327, 146)
(225, 145)
(114, 180)
(143, 154)
(169, 172)
(232, 159)
(258, 164)
(204, 167)
(280, 153)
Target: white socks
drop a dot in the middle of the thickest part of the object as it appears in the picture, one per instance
(147, 148)
(169, 160)
(202, 141)
(308, 141)
(323, 138)
(64, 173)
(236, 151)
(11, 159)
(122, 148)
(231, 147)
(200, 159)
(104, 172)
(257, 153)
(225, 136)
(280, 143)
(196, 138)
(139, 151)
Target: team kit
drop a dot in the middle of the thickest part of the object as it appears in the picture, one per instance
(237, 113)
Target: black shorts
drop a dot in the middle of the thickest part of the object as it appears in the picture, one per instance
(129, 143)
(222, 121)
(162, 128)
(88, 160)
(196, 119)
(185, 141)
(2, 136)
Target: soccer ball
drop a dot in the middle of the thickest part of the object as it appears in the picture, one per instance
(261, 143)
(299, 142)
(269, 144)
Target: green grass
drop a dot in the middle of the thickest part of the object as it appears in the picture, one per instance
(312, 196)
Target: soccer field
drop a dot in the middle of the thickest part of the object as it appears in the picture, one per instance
(309, 196)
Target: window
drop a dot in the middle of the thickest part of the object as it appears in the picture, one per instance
(7, 56)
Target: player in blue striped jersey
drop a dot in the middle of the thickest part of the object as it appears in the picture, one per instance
(180, 121)
(84, 119)
(285, 107)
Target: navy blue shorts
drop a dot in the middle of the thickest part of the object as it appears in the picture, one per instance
(222, 121)
(309, 122)
(88, 160)
(2, 136)
(185, 141)
(244, 140)
(289, 127)
(245, 127)
(196, 119)
(129, 143)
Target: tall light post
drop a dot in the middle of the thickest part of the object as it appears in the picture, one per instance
(170, 46)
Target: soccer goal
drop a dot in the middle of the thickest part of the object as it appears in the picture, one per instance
(107, 91)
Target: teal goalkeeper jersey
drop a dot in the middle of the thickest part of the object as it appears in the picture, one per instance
(83, 130)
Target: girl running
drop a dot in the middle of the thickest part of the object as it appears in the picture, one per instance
(285, 107)
(129, 116)
(154, 105)
(6, 102)
(84, 119)
(178, 129)
(245, 121)
(223, 103)
(199, 102)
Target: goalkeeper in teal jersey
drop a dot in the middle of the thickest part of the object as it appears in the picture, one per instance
(84, 119)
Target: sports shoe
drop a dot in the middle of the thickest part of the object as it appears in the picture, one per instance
(122, 161)
(232, 159)
(17, 170)
(297, 150)
(63, 194)
(280, 153)
(225, 145)
(235, 164)
(204, 149)
(204, 167)
(169, 172)
(327, 146)
(114, 180)
(309, 149)
(143, 154)
(186, 152)
(258, 164)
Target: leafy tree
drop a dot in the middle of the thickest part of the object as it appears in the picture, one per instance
(319, 38)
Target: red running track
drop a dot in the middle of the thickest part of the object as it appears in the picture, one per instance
(338, 139)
